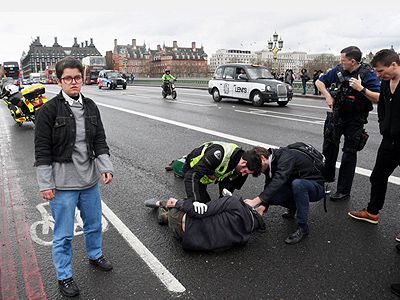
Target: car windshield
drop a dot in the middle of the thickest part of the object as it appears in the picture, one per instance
(259, 73)
(113, 75)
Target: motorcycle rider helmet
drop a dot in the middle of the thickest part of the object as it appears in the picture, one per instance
(12, 89)
(167, 71)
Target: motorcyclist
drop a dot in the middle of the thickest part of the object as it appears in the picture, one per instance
(166, 78)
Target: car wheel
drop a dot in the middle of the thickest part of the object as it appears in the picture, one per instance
(124, 86)
(283, 103)
(256, 99)
(216, 95)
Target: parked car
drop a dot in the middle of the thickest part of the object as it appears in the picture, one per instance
(248, 82)
(111, 79)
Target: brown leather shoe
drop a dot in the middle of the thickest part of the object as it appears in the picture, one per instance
(364, 215)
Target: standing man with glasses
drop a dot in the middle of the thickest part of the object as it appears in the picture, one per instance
(71, 156)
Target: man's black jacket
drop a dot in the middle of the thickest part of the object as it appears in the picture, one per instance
(228, 222)
(285, 165)
(206, 166)
(55, 131)
(389, 111)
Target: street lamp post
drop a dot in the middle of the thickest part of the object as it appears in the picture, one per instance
(275, 46)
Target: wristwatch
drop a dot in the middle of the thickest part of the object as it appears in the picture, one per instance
(364, 90)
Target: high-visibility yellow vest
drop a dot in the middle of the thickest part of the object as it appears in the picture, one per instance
(220, 172)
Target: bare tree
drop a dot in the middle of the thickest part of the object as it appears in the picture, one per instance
(322, 62)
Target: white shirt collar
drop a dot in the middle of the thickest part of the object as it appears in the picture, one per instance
(70, 100)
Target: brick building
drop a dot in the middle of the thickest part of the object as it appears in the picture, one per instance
(40, 57)
(144, 62)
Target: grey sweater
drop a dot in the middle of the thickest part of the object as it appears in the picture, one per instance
(82, 172)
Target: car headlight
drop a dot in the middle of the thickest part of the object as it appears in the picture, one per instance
(268, 88)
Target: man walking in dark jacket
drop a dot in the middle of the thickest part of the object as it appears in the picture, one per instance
(292, 180)
(71, 156)
(387, 66)
(224, 223)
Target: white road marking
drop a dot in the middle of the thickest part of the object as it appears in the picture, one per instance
(279, 117)
(320, 107)
(47, 224)
(192, 103)
(361, 171)
(154, 264)
(260, 111)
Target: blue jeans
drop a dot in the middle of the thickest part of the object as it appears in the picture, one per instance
(298, 195)
(304, 84)
(63, 210)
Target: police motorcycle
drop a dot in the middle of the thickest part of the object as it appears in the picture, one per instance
(168, 89)
(23, 105)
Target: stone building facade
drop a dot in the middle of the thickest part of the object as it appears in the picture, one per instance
(41, 58)
(223, 56)
(145, 62)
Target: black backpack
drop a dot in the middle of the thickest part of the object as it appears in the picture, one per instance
(317, 158)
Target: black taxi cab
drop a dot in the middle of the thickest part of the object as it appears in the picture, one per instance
(248, 82)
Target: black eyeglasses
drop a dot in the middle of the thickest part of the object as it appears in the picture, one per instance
(69, 79)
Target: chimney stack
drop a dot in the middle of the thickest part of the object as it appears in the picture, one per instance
(193, 45)
(158, 48)
(75, 40)
(115, 42)
(82, 44)
(134, 43)
(86, 43)
(91, 41)
(175, 44)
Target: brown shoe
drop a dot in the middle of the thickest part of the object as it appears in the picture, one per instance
(398, 237)
(364, 215)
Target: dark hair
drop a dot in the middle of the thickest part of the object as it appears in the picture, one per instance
(352, 52)
(385, 57)
(68, 63)
(253, 159)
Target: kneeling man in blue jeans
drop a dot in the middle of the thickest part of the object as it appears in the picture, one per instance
(292, 180)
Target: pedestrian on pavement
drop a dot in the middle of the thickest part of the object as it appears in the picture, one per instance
(292, 180)
(71, 156)
(353, 86)
(221, 224)
(304, 78)
(316, 75)
(387, 65)
(214, 162)
(289, 76)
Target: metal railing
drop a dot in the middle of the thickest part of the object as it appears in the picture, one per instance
(202, 83)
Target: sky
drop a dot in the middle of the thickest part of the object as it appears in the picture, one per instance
(310, 26)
